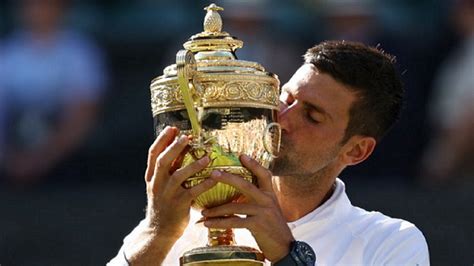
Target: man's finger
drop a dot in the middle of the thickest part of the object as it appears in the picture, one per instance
(264, 176)
(179, 161)
(164, 160)
(194, 192)
(245, 187)
(232, 208)
(165, 138)
(180, 175)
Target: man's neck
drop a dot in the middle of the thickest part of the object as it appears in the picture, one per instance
(296, 199)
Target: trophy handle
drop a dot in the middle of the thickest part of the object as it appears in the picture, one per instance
(265, 135)
(186, 67)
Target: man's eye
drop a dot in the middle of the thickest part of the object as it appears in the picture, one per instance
(311, 119)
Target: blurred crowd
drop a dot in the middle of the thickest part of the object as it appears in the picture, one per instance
(74, 77)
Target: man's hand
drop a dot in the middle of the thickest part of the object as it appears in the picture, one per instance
(168, 202)
(263, 215)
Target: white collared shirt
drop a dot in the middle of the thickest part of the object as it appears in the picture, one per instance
(339, 233)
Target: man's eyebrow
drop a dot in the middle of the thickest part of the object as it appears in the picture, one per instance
(317, 108)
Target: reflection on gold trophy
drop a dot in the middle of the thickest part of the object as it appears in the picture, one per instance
(229, 107)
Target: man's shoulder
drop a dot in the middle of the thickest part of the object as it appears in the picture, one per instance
(387, 239)
(378, 239)
(374, 224)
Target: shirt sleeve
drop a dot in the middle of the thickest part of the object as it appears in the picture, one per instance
(119, 260)
(406, 246)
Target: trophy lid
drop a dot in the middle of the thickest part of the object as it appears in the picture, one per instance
(214, 49)
(216, 76)
(213, 38)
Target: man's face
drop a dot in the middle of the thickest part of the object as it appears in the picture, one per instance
(314, 114)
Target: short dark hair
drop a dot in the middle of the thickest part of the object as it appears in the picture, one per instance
(371, 73)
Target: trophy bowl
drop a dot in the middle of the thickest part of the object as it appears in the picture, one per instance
(229, 107)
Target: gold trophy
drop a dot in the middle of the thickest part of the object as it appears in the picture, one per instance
(229, 108)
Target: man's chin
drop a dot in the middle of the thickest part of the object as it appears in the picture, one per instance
(280, 166)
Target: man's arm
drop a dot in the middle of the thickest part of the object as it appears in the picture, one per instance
(168, 201)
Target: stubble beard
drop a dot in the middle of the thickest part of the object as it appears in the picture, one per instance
(290, 167)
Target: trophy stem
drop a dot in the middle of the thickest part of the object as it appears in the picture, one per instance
(221, 251)
(220, 237)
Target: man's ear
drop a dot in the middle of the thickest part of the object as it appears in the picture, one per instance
(357, 149)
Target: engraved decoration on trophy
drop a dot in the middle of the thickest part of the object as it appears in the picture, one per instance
(229, 107)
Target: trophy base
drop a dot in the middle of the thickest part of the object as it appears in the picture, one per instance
(223, 255)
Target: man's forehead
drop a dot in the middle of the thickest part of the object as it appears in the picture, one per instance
(309, 79)
(303, 74)
(320, 89)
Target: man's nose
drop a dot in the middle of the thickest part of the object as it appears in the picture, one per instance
(285, 115)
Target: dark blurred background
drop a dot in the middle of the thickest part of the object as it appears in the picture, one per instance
(75, 115)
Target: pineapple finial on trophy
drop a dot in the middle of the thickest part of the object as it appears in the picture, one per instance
(212, 20)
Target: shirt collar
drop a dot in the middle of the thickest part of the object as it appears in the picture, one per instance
(336, 207)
